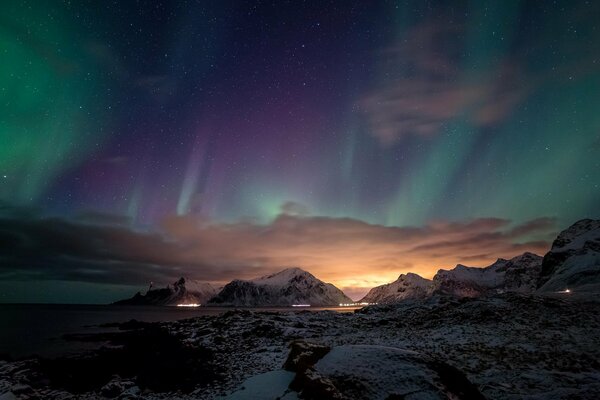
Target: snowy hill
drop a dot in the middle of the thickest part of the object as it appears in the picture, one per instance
(183, 291)
(409, 286)
(288, 287)
(573, 262)
(519, 274)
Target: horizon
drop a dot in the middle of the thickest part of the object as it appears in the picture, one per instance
(355, 294)
(225, 140)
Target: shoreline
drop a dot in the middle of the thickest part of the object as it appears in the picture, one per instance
(508, 346)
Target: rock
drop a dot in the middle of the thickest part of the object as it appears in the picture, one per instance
(313, 385)
(268, 386)
(304, 355)
(21, 389)
(378, 372)
(115, 387)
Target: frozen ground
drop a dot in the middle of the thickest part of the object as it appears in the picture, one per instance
(508, 346)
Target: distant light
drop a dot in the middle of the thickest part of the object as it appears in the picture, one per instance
(356, 304)
(300, 305)
(189, 305)
(565, 291)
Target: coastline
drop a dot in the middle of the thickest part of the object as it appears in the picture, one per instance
(508, 346)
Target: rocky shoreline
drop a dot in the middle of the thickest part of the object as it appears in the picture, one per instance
(507, 346)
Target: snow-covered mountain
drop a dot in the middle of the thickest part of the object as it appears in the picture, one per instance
(519, 274)
(573, 262)
(183, 291)
(288, 287)
(407, 286)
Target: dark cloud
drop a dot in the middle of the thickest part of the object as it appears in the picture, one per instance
(100, 218)
(347, 252)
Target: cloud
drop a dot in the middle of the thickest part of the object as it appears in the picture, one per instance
(347, 252)
(428, 88)
(433, 74)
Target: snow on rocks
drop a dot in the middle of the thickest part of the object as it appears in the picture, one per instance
(510, 346)
(183, 291)
(273, 385)
(574, 261)
(292, 286)
(407, 286)
(381, 372)
(519, 274)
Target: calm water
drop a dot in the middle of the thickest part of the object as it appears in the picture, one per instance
(27, 329)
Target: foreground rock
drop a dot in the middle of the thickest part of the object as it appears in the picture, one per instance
(379, 373)
(354, 372)
(145, 358)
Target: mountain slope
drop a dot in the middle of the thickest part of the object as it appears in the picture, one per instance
(519, 274)
(573, 262)
(183, 291)
(288, 287)
(409, 286)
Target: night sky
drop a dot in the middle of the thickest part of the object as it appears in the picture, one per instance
(356, 139)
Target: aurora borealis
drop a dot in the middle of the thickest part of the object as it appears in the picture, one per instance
(355, 139)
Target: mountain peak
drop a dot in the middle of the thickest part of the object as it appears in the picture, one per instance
(284, 288)
(293, 271)
(527, 254)
(575, 235)
(574, 259)
(407, 286)
(180, 281)
(283, 276)
(183, 290)
(411, 276)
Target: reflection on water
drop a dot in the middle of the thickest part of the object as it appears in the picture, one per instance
(27, 329)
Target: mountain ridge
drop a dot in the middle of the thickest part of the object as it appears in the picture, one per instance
(182, 291)
(573, 262)
(291, 286)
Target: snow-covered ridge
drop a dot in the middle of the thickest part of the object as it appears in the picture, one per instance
(574, 260)
(575, 236)
(573, 263)
(409, 286)
(519, 274)
(183, 291)
(289, 287)
(283, 277)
